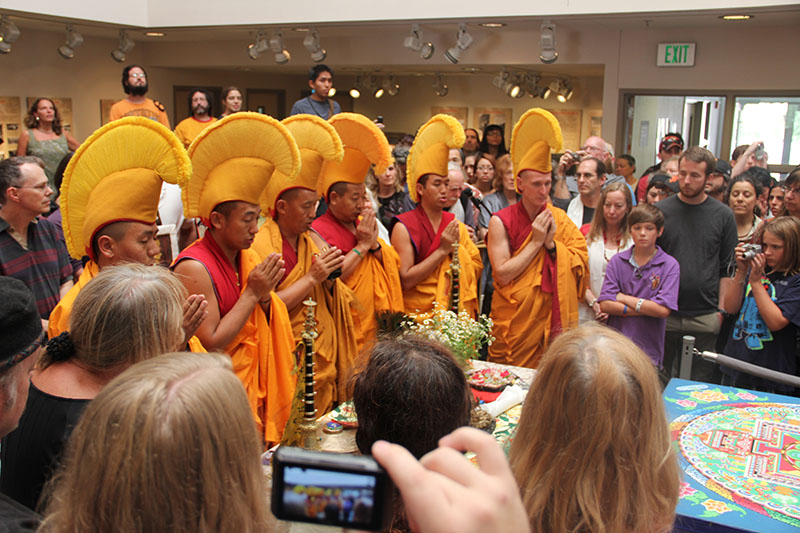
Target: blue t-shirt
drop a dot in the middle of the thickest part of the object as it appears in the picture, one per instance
(753, 342)
(309, 106)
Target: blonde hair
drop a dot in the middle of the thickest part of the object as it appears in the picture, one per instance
(169, 445)
(503, 164)
(371, 180)
(787, 229)
(599, 220)
(593, 451)
(126, 314)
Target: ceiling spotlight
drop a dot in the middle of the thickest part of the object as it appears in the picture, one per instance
(547, 41)
(9, 33)
(414, 42)
(259, 47)
(378, 92)
(463, 41)
(74, 40)
(391, 86)
(125, 45)
(355, 90)
(440, 87)
(332, 92)
(311, 42)
(282, 55)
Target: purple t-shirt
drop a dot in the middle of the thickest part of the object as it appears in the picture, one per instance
(658, 281)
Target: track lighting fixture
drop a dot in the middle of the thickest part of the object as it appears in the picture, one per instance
(74, 40)
(391, 86)
(414, 42)
(311, 42)
(440, 87)
(500, 80)
(259, 47)
(9, 33)
(125, 45)
(355, 90)
(463, 41)
(282, 55)
(547, 40)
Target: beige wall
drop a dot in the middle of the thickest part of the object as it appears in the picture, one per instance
(735, 57)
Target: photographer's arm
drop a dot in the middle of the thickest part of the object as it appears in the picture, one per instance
(445, 492)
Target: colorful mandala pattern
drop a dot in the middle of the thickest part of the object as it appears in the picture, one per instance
(748, 453)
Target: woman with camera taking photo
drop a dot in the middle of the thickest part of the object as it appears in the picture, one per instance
(766, 299)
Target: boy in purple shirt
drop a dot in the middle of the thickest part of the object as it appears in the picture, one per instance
(641, 285)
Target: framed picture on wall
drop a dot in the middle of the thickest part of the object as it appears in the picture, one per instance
(596, 122)
(570, 122)
(459, 113)
(10, 122)
(105, 110)
(483, 116)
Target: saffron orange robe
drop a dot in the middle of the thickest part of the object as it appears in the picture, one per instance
(335, 346)
(434, 291)
(262, 351)
(375, 282)
(59, 318)
(543, 301)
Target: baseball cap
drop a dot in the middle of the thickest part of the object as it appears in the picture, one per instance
(670, 140)
(21, 329)
(663, 181)
(722, 167)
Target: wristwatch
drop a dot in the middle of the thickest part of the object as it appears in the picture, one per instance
(373, 250)
(591, 304)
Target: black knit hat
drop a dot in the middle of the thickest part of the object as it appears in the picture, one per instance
(20, 324)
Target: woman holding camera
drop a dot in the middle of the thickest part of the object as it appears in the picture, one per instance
(767, 300)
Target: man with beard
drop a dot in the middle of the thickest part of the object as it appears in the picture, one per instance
(201, 102)
(471, 142)
(134, 82)
(718, 180)
(700, 233)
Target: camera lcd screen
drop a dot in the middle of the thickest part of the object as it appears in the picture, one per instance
(325, 496)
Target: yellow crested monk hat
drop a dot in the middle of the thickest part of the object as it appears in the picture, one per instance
(116, 176)
(234, 159)
(364, 145)
(429, 153)
(535, 134)
(318, 143)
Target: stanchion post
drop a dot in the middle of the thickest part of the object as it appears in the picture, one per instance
(686, 357)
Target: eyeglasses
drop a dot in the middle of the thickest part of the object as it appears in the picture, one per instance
(138, 75)
(793, 190)
(43, 187)
(21, 356)
(485, 168)
(594, 149)
(492, 133)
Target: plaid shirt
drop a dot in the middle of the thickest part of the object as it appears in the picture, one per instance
(44, 266)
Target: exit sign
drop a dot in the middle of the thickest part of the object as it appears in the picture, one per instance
(675, 54)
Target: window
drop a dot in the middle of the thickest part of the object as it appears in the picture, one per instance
(774, 120)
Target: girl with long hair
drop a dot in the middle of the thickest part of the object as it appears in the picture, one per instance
(592, 450)
(494, 141)
(608, 235)
(126, 314)
(231, 101)
(766, 297)
(168, 446)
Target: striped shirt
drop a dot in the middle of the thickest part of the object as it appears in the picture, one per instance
(44, 266)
